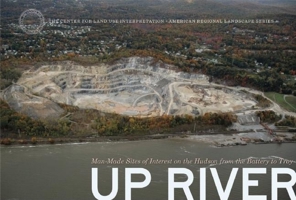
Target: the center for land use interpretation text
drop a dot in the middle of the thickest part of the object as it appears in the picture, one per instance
(161, 21)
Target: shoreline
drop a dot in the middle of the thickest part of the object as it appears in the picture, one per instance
(218, 139)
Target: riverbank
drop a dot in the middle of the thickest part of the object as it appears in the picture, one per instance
(244, 138)
(62, 140)
(218, 139)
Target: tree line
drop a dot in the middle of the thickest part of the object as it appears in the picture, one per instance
(77, 122)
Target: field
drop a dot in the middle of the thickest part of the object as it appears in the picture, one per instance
(287, 102)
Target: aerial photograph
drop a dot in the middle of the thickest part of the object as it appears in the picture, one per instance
(148, 99)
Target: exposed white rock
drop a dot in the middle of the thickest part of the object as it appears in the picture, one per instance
(132, 86)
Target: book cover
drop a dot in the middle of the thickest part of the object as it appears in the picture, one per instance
(145, 100)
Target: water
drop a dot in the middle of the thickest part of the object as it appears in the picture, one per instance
(63, 172)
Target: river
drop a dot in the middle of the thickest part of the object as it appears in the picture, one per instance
(63, 172)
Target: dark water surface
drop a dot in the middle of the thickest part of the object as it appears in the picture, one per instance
(63, 172)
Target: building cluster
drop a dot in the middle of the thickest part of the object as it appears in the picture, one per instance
(56, 41)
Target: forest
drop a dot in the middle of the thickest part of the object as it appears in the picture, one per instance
(89, 122)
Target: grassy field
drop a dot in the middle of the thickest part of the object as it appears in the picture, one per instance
(288, 102)
(291, 100)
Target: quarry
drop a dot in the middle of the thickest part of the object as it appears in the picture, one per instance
(134, 86)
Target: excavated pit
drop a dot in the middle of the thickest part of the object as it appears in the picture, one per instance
(132, 86)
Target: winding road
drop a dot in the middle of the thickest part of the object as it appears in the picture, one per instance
(114, 82)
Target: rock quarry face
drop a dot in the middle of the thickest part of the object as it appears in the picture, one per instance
(132, 86)
(21, 100)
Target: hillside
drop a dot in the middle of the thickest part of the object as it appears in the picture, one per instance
(132, 86)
